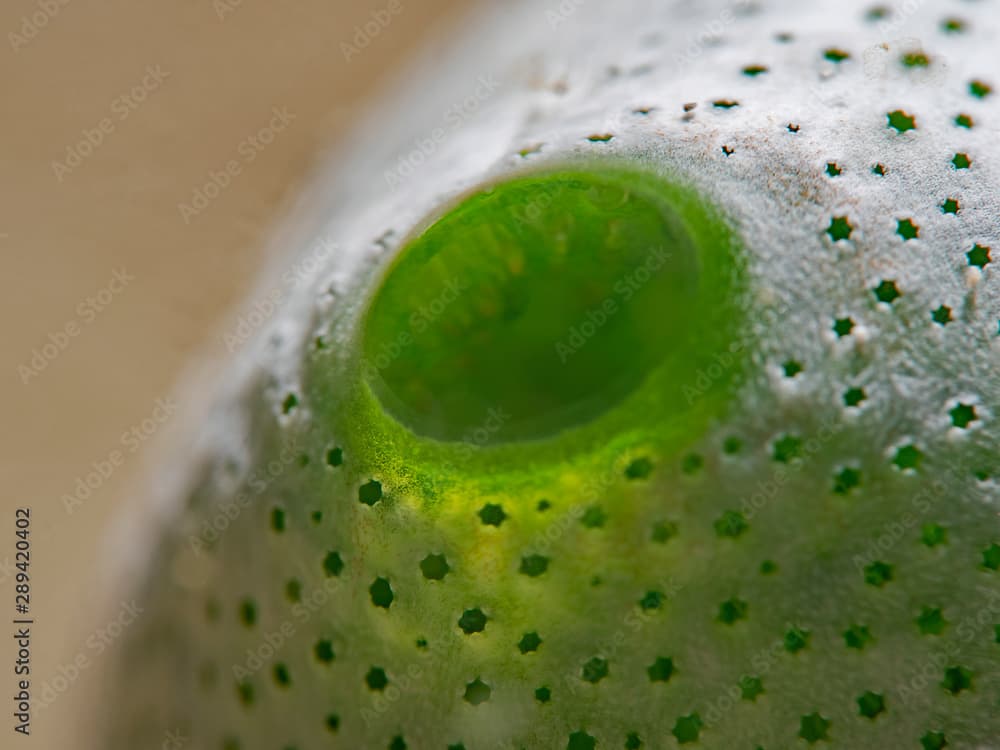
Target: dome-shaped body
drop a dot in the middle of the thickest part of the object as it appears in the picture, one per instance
(649, 397)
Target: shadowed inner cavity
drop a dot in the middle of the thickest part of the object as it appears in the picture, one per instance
(532, 306)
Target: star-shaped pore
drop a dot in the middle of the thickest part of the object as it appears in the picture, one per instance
(854, 396)
(751, 687)
(323, 651)
(333, 564)
(846, 480)
(857, 636)
(529, 642)
(814, 728)
(931, 621)
(370, 492)
(376, 679)
(639, 468)
(933, 741)
(732, 610)
(878, 573)
(472, 621)
(281, 675)
(979, 256)
(980, 89)
(651, 600)
(477, 692)
(434, 567)
(278, 520)
(381, 593)
(950, 206)
(687, 728)
(786, 448)
(840, 228)
(661, 670)
(957, 679)
(492, 514)
(942, 315)
(887, 292)
(843, 326)
(962, 415)
(961, 161)
(664, 531)
(915, 59)
(908, 457)
(796, 639)
(289, 404)
(581, 741)
(791, 368)
(732, 445)
(871, 704)
(933, 534)
(692, 463)
(595, 670)
(901, 121)
(906, 229)
(534, 565)
(731, 524)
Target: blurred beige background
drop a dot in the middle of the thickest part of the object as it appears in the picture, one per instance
(115, 113)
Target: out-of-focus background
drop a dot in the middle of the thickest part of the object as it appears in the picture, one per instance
(127, 238)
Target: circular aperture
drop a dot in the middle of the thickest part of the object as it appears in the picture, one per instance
(533, 306)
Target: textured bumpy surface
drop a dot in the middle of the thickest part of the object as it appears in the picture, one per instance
(786, 536)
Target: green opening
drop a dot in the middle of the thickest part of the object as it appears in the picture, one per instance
(538, 304)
